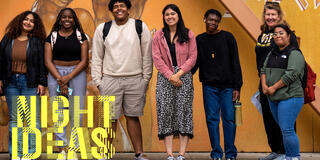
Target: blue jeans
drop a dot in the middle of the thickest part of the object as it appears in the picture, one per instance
(79, 85)
(18, 86)
(215, 101)
(285, 112)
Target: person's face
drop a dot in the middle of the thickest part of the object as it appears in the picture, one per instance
(120, 11)
(67, 20)
(271, 17)
(212, 22)
(281, 38)
(171, 17)
(28, 23)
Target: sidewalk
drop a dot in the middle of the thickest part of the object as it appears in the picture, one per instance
(193, 156)
(206, 156)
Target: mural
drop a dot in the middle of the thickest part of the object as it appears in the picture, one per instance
(49, 9)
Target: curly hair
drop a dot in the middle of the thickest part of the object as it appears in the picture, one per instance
(112, 2)
(77, 24)
(15, 28)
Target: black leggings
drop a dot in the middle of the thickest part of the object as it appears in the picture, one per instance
(272, 128)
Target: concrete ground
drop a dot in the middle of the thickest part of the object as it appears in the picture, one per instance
(192, 156)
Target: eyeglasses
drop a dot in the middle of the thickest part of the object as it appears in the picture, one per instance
(276, 34)
(272, 3)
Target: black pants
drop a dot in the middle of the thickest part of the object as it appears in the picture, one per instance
(272, 128)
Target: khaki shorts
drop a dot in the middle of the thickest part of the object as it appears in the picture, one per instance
(129, 92)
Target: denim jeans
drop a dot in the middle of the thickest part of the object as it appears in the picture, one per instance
(285, 112)
(79, 85)
(16, 87)
(215, 101)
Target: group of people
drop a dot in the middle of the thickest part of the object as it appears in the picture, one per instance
(123, 54)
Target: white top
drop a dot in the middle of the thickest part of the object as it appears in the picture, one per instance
(121, 53)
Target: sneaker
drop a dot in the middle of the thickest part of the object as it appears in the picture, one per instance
(18, 158)
(25, 159)
(232, 158)
(142, 156)
(180, 157)
(64, 155)
(271, 156)
(280, 157)
(171, 158)
(216, 158)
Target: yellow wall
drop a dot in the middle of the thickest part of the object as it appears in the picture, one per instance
(250, 136)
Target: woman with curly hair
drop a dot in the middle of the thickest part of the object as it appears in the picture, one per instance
(22, 70)
(66, 57)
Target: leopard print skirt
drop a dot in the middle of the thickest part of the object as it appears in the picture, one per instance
(175, 106)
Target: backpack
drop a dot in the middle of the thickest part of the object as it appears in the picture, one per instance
(55, 33)
(308, 82)
(107, 26)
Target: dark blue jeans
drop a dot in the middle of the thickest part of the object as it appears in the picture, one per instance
(18, 86)
(285, 112)
(215, 101)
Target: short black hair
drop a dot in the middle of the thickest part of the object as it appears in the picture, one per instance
(284, 27)
(212, 11)
(112, 2)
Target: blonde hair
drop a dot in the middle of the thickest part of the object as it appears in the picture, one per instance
(275, 6)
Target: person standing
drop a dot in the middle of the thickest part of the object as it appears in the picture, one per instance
(23, 71)
(221, 77)
(174, 53)
(122, 67)
(66, 57)
(281, 80)
(272, 15)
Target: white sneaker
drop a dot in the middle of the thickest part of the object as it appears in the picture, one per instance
(25, 159)
(280, 157)
(64, 155)
(18, 158)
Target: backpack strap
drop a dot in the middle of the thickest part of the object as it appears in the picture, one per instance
(79, 37)
(106, 29)
(107, 26)
(138, 23)
(53, 38)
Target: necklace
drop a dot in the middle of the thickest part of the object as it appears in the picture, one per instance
(66, 35)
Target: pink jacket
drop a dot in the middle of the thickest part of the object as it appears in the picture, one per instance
(186, 54)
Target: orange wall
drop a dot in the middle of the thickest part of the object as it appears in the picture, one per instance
(250, 136)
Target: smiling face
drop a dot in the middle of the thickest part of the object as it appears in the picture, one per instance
(67, 20)
(271, 17)
(28, 23)
(212, 23)
(281, 37)
(171, 17)
(120, 12)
